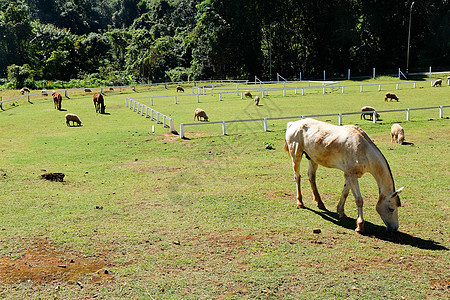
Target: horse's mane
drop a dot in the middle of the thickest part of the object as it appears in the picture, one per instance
(369, 140)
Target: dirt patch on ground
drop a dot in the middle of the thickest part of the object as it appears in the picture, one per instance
(42, 263)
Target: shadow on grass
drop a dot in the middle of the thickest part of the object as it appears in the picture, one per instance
(379, 232)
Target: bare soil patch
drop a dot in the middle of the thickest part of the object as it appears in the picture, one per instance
(43, 263)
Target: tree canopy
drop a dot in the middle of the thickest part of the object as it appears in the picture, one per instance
(171, 40)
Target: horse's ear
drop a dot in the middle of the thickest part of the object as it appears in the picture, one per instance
(395, 194)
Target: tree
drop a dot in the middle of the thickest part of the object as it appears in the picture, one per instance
(16, 33)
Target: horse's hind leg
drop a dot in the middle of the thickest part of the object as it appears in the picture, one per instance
(312, 168)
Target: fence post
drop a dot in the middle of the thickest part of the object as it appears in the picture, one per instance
(396, 86)
(146, 113)
(126, 102)
(379, 87)
(303, 91)
(171, 125)
(175, 99)
(374, 116)
(224, 131)
(151, 114)
(441, 112)
(348, 76)
(361, 89)
(342, 90)
(373, 76)
(340, 119)
(324, 90)
(142, 110)
(181, 130)
(198, 98)
(414, 85)
(408, 114)
(284, 93)
(157, 118)
(164, 121)
(134, 105)
(265, 124)
(295, 91)
(151, 100)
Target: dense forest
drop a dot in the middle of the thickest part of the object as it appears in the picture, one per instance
(122, 41)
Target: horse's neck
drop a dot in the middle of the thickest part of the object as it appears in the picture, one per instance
(381, 172)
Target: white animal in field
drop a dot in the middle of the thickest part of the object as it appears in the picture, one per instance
(397, 134)
(256, 100)
(200, 113)
(349, 149)
(74, 118)
(368, 111)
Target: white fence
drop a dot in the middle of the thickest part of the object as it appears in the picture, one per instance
(150, 113)
(339, 115)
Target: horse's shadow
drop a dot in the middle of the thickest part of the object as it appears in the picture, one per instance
(379, 232)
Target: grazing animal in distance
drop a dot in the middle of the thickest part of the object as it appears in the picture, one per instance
(248, 94)
(368, 111)
(200, 113)
(397, 134)
(44, 93)
(74, 118)
(99, 103)
(438, 82)
(180, 88)
(390, 96)
(349, 149)
(88, 90)
(256, 100)
(57, 100)
(24, 90)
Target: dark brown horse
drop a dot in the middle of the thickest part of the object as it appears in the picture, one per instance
(99, 103)
(57, 99)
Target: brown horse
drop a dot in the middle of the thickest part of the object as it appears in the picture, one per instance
(99, 103)
(57, 100)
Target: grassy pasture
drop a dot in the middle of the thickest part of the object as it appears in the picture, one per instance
(145, 215)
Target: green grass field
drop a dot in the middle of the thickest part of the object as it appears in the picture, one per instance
(144, 215)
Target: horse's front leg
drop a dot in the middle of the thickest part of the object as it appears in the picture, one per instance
(340, 207)
(312, 168)
(354, 186)
(296, 167)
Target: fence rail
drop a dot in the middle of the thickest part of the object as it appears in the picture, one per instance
(339, 115)
(150, 113)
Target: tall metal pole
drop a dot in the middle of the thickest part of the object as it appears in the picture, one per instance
(409, 37)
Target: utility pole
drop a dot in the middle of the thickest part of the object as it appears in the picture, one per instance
(409, 38)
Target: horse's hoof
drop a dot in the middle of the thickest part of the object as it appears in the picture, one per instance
(343, 218)
(300, 206)
(322, 207)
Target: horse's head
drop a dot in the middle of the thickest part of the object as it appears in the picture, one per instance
(387, 207)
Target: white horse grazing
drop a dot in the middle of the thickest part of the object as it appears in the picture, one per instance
(349, 149)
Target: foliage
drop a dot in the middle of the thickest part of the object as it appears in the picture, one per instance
(153, 40)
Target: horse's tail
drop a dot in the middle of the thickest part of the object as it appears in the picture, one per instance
(286, 146)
